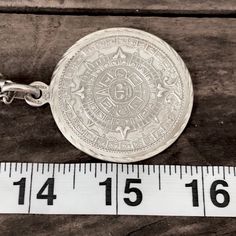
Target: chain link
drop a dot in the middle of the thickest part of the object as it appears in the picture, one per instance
(10, 90)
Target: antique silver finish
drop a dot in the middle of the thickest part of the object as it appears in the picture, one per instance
(121, 95)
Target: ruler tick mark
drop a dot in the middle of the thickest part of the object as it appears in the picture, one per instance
(223, 172)
(203, 193)
(159, 176)
(43, 168)
(16, 164)
(64, 168)
(95, 173)
(53, 170)
(180, 168)
(31, 180)
(21, 167)
(116, 189)
(74, 176)
(10, 170)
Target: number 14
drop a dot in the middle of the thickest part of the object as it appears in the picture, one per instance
(49, 185)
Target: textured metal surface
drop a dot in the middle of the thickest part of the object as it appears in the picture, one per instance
(121, 95)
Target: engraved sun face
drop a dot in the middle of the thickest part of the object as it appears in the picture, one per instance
(120, 92)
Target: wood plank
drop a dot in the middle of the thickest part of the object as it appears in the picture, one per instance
(30, 47)
(221, 7)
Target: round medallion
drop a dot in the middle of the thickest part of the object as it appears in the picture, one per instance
(121, 95)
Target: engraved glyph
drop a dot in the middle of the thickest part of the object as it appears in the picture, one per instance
(122, 131)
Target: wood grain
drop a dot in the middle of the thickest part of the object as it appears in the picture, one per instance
(211, 7)
(30, 47)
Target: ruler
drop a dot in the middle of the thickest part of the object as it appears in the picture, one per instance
(117, 189)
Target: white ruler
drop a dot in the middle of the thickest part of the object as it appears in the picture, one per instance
(121, 189)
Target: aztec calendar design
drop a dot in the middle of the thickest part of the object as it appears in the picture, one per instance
(121, 95)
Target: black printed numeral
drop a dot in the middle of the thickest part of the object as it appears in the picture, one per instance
(50, 196)
(21, 197)
(107, 184)
(194, 187)
(135, 190)
(214, 192)
(128, 190)
(224, 193)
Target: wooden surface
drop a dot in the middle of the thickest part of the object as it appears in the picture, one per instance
(30, 47)
(211, 7)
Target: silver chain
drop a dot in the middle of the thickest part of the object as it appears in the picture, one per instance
(10, 90)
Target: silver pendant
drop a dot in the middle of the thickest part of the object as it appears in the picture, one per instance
(119, 94)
